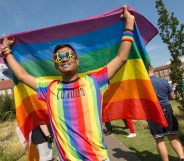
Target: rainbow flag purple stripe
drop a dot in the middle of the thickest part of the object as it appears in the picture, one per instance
(96, 40)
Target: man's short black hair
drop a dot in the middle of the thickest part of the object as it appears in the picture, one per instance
(60, 46)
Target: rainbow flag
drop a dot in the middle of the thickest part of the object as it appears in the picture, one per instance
(96, 41)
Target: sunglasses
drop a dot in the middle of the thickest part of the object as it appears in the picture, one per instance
(58, 57)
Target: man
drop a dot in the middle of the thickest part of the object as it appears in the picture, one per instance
(74, 104)
(164, 92)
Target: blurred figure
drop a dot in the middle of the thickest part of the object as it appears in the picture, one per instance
(128, 124)
(43, 138)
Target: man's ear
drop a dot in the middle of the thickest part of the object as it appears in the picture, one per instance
(77, 62)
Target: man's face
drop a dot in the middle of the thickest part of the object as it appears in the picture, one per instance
(65, 60)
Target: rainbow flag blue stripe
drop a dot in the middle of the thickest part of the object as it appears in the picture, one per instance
(96, 41)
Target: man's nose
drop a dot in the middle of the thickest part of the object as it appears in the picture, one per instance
(65, 58)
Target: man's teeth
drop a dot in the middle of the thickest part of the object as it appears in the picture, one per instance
(65, 65)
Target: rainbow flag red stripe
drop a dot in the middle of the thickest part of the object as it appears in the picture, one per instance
(96, 40)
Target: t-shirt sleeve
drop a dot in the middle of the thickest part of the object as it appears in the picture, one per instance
(42, 88)
(101, 77)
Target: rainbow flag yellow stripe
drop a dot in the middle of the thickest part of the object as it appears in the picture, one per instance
(96, 41)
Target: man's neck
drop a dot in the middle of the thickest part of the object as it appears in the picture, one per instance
(69, 78)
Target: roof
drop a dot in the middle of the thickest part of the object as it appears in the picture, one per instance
(6, 84)
(162, 67)
(165, 67)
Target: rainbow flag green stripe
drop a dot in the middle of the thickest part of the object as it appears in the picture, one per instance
(92, 60)
(96, 41)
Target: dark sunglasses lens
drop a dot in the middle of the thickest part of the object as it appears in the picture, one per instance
(71, 55)
(67, 55)
(61, 56)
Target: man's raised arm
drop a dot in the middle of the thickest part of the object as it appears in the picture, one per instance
(19, 72)
(125, 46)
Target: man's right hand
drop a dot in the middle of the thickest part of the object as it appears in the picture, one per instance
(7, 42)
(50, 139)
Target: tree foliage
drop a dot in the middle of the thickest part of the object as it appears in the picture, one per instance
(7, 108)
(172, 34)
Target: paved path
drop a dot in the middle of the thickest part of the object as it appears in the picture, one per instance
(117, 151)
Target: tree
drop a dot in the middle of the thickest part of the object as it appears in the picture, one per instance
(173, 35)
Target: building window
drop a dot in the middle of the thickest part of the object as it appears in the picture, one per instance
(9, 91)
(156, 74)
(161, 73)
(166, 72)
(2, 92)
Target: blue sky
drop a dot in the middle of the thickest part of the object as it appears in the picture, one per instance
(24, 15)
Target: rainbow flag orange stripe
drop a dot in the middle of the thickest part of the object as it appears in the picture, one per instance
(96, 40)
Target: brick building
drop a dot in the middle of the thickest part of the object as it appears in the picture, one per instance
(163, 71)
(6, 87)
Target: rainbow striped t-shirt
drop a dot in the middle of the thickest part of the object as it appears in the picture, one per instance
(75, 114)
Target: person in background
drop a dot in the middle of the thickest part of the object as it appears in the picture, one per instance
(42, 137)
(128, 124)
(75, 103)
(165, 93)
(131, 128)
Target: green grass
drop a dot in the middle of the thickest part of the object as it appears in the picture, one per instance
(144, 144)
(10, 148)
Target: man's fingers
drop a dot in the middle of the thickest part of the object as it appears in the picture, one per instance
(123, 12)
(121, 16)
(4, 37)
(12, 38)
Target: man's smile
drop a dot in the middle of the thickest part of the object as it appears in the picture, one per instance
(65, 65)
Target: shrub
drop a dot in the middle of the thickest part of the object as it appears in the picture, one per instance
(7, 108)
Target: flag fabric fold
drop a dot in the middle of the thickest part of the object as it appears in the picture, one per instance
(96, 41)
